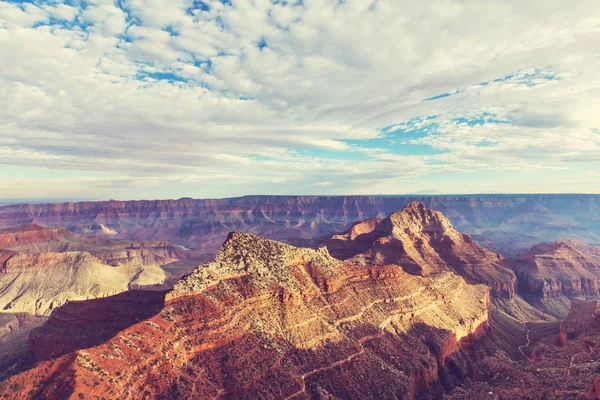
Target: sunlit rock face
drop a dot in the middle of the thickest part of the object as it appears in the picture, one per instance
(265, 317)
(423, 242)
(551, 273)
(43, 268)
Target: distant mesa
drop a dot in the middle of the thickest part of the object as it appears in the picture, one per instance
(101, 229)
(551, 273)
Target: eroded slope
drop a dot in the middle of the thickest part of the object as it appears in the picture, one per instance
(423, 241)
(268, 320)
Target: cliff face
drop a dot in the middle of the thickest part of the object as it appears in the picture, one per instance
(564, 361)
(422, 241)
(31, 236)
(38, 283)
(563, 268)
(43, 268)
(508, 224)
(265, 317)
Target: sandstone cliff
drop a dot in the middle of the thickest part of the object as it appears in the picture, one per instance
(508, 224)
(43, 268)
(565, 268)
(422, 241)
(265, 318)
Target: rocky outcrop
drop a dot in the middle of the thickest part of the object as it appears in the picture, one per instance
(563, 268)
(347, 244)
(265, 317)
(423, 242)
(508, 224)
(32, 237)
(42, 268)
(556, 367)
(38, 283)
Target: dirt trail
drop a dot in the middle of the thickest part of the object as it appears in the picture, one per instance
(329, 367)
(527, 340)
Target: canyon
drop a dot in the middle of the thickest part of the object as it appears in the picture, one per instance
(550, 274)
(264, 318)
(401, 305)
(43, 268)
(507, 224)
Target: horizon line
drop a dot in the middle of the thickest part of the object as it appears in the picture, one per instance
(41, 200)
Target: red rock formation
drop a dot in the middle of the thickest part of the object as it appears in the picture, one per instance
(509, 224)
(33, 238)
(24, 235)
(566, 267)
(45, 267)
(565, 371)
(562, 336)
(423, 241)
(596, 389)
(266, 318)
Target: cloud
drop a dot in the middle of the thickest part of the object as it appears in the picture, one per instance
(105, 19)
(254, 96)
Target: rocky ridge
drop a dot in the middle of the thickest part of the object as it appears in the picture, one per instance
(43, 268)
(423, 242)
(508, 224)
(551, 273)
(265, 317)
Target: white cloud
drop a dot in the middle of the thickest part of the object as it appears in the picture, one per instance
(61, 11)
(25, 14)
(158, 90)
(106, 19)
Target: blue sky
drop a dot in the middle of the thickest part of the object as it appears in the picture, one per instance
(138, 99)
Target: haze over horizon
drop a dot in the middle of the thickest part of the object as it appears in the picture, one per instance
(155, 99)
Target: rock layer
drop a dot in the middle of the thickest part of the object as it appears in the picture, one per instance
(508, 224)
(563, 268)
(423, 241)
(267, 318)
(42, 268)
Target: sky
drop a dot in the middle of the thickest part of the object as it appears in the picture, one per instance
(146, 99)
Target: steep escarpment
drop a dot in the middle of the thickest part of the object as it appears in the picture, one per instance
(563, 362)
(550, 272)
(38, 283)
(508, 224)
(265, 317)
(423, 241)
(42, 268)
(144, 253)
(32, 238)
